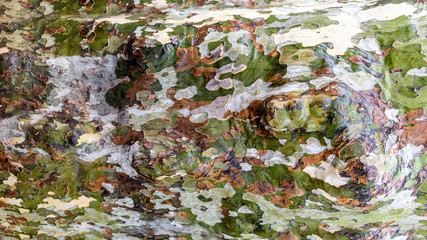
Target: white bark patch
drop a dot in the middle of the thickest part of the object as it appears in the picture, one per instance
(123, 155)
(119, 19)
(162, 36)
(246, 167)
(260, 90)
(186, 93)
(356, 80)
(327, 173)
(421, 72)
(313, 146)
(370, 45)
(391, 114)
(160, 198)
(216, 109)
(205, 15)
(244, 210)
(297, 71)
(272, 158)
(207, 212)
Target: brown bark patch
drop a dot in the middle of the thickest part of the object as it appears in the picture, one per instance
(205, 185)
(252, 113)
(48, 181)
(187, 103)
(227, 135)
(384, 52)
(259, 47)
(290, 190)
(107, 232)
(255, 162)
(56, 30)
(261, 188)
(360, 173)
(232, 175)
(39, 90)
(188, 58)
(28, 37)
(4, 102)
(275, 78)
(287, 236)
(143, 83)
(127, 185)
(350, 202)
(236, 25)
(130, 138)
(182, 215)
(359, 60)
(187, 128)
(371, 99)
(27, 105)
(27, 4)
(96, 185)
(3, 204)
(314, 159)
(202, 33)
(330, 89)
(413, 128)
(323, 72)
(207, 72)
(199, 2)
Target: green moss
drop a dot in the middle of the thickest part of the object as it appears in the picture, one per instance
(405, 92)
(317, 21)
(161, 57)
(307, 226)
(405, 58)
(351, 151)
(258, 65)
(117, 96)
(187, 79)
(121, 130)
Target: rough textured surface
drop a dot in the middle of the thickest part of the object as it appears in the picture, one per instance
(165, 119)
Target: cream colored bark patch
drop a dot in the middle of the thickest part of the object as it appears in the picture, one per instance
(58, 205)
(15, 140)
(4, 50)
(349, 25)
(11, 181)
(162, 36)
(119, 19)
(89, 138)
(11, 201)
(291, 7)
(159, 4)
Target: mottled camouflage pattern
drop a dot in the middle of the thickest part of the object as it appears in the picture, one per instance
(204, 119)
